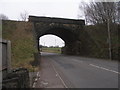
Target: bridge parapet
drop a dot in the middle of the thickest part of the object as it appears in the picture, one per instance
(56, 20)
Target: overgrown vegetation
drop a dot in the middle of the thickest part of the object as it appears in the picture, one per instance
(103, 18)
(20, 35)
(99, 35)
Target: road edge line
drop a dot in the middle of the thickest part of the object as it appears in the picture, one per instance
(59, 76)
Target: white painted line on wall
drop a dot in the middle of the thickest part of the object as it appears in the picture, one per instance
(59, 76)
(104, 68)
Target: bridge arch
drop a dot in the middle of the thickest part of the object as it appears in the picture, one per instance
(67, 29)
(63, 32)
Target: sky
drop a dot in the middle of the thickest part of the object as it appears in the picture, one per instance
(53, 41)
(49, 8)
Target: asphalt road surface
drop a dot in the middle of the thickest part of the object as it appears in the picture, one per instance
(81, 72)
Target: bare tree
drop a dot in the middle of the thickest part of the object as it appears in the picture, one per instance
(99, 12)
(102, 13)
(3, 17)
(118, 12)
(24, 16)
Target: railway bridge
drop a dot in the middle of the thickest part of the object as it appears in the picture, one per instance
(70, 30)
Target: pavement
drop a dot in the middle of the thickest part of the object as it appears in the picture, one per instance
(64, 71)
(47, 77)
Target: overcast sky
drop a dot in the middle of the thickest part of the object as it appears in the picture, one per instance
(49, 8)
(51, 40)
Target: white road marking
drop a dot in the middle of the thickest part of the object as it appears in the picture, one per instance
(104, 68)
(36, 79)
(34, 84)
(37, 74)
(59, 76)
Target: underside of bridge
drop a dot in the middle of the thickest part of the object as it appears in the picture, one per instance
(67, 29)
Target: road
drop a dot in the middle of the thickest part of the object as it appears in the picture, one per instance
(81, 72)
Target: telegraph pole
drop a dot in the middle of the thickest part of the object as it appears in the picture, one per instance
(109, 35)
(109, 39)
(44, 43)
(55, 41)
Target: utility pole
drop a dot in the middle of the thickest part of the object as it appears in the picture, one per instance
(109, 35)
(109, 39)
(55, 41)
(44, 43)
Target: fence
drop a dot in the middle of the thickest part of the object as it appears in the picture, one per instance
(17, 78)
(6, 57)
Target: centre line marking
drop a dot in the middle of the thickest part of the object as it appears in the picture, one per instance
(104, 68)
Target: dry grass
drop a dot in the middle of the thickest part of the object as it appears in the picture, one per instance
(21, 36)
